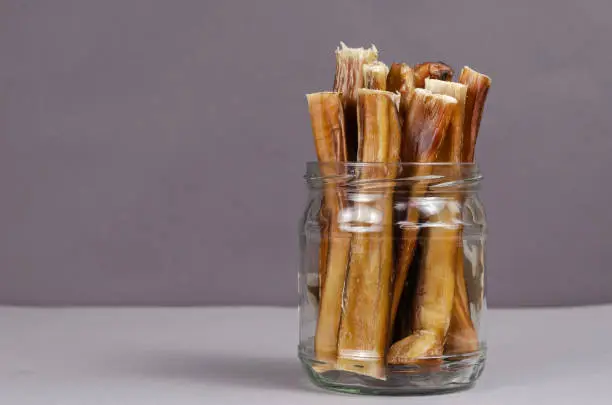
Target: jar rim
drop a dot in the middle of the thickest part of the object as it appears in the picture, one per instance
(317, 164)
(444, 173)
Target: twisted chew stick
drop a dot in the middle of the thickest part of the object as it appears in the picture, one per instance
(434, 70)
(462, 336)
(375, 75)
(365, 321)
(433, 302)
(347, 81)
(425, 122)
(326, 116)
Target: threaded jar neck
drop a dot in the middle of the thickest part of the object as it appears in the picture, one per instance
(440, 177)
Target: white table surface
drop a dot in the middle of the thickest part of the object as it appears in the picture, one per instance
(224, 356)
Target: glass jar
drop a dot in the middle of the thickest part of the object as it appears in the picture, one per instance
(391, 279)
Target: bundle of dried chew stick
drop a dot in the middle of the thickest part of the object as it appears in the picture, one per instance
(377, 114)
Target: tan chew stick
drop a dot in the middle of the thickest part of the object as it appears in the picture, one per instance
(433, 301)
(477, 90)
(324, 217)
(418, 345)
(452, 146)
(347, 81)
(365, 320)
(375, 75)
(462, 336)
(326, 117)
(452, 152)
(330, 143)
(434, 298)
(400, 78)
(425, 126)
(434, 70)
(461, 331)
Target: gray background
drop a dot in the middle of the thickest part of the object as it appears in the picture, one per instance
(151, 152)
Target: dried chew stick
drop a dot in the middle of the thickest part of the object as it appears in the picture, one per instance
(375, 75)
(324, 217)
(462, 336)
(328, 128)
(364, 326)
(452, 147)
(347, 81)
(477, 90)
(461, 332)
(400, 78)
(419, 345)
(433, 301)
(326, 116)
(425, 125)
(434, 70)
(350, 74)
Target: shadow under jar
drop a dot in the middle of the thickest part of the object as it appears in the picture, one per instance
(391, 279)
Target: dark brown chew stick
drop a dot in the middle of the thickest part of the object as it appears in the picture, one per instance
(425, 127)
(433, 302)
(434, 70)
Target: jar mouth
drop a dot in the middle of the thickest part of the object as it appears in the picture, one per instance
(318, 163)
(435, 175)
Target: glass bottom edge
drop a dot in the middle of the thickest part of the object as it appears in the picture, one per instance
(452, 374)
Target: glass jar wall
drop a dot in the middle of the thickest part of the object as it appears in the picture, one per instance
(392, 277)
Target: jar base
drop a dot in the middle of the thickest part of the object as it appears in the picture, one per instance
(453, 373)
